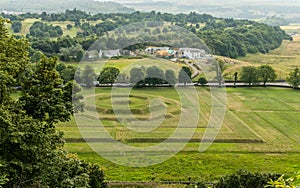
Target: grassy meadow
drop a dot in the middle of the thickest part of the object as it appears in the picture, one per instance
(260, 133)
(283, 59)
(27, 23)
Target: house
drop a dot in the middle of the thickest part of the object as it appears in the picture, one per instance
(191, 53)
(152, 50)
(109, 53)
(166, 54)
(92, 54)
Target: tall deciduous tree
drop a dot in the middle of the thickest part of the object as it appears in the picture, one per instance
(137, 76)
(249, 75)
(88, 76)
(108, 75)
(31, 153)
(42, 94)
(219, 68)
(185, 75)
(202, 81)
(235, 78)
(154, 76)
(294, 78)
(170, 77)
(267, 74)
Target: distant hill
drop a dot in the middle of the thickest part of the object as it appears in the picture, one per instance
(245, 9)
(39, 6)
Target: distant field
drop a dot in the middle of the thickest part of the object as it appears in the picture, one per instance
(72, 32)
(260, 133)
(125, 65)
(27, 23)
(292, 28)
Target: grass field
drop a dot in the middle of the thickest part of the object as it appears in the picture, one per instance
(125, 65)
(27, 23)
(72, 32)
(292, 28)
(282, 59)
(260, 133)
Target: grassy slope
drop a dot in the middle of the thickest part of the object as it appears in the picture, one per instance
(283, 59)
(27, 23)
(91, 6)
(272, 114)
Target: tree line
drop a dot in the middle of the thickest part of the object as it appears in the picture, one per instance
(226, 37)
(265, 73)
(139, 77)
(154, 76)
(43, 30)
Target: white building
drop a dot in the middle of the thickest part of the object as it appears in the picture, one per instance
(109, 53)
(192, 53)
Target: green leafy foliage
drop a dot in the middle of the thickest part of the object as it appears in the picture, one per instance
(185, 75)
(137, 76)
(202, 81)
(154, 76)
(294, 78)
(235, 78)
(41, 97)
(266, 74)
(31, 153)
(88, 76)
(170, 77)
(73, 53)
(40, 29)
(249, 75)
(108, 75)
(244, 179)
(282, 182)
(226, 37)
(16, 26)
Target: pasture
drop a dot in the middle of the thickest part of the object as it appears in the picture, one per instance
(27, 23)
(283, 60)
(260, 133)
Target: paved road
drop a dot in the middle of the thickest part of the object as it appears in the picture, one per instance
(278, 84)
(228, 84)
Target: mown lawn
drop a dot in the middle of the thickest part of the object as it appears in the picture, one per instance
(268, 115)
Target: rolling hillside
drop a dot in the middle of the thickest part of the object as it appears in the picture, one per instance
(91, 6)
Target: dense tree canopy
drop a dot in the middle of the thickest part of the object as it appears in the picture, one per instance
(137, 76)
(31, 153)
(245, 179)
(170, 77)
(108, 75)
(40, 29)
(266, 74)
(294, 78)
(226, 37)
(88, 76)
(154, 76)
(184, 75)
(249, 75)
